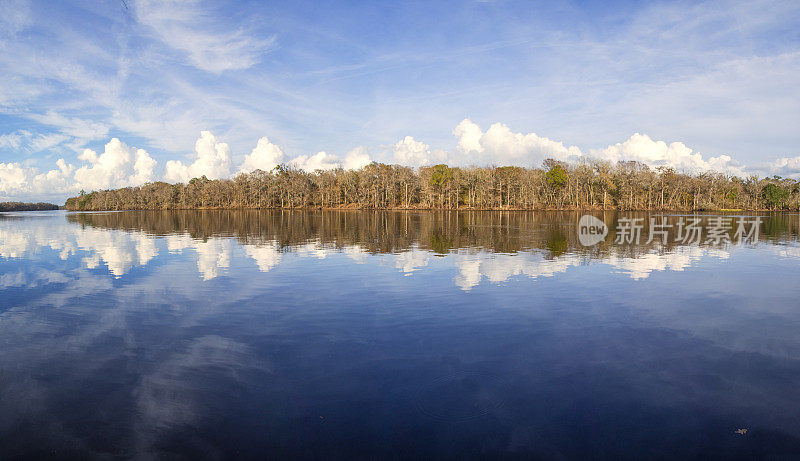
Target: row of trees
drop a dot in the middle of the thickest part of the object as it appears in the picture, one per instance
(556, 185)
(21, 206)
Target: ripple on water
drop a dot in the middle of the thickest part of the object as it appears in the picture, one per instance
(462, 396)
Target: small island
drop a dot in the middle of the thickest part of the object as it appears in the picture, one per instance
(556, 185)
(22, 206)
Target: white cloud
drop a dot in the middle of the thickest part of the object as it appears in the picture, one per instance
(411, 152)
(319, 161)
(121, 166)
(268, 155)
(356, 159)
(784, 166)
(25, 141)
(186, 26)
(16, 179)
(12, 140)
(212, 159)
(42, 142)
(82, 131)
(500, 146)
(118, 166)
(469, 136)
(13, 178)
(55, 180)
(642, 148)
(265, 157)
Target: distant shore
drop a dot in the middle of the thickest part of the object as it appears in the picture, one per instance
(22, 206)
(422, 208)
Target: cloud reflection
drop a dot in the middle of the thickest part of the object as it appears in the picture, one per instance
(120, 250)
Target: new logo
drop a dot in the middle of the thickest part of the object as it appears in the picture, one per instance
(591, 230)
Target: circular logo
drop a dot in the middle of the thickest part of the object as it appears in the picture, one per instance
(591, 230)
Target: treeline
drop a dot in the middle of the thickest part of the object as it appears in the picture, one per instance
(598, 185)
(20, 206)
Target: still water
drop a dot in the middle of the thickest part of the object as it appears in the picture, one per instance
(394, 335)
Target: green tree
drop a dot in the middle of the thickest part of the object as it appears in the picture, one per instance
(556, 174)
(775, 196)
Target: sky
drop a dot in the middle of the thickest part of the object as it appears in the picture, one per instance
(98, 94)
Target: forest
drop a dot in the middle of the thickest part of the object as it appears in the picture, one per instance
(21, 206)
(556, 185)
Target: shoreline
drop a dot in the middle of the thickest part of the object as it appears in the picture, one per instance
(354, 208)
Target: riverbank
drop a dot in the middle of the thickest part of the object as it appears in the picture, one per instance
(424, 208)
(22, 206)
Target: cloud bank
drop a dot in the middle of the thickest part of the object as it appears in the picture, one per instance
(120, 165)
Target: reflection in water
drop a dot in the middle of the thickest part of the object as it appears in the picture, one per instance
(369, 334)
(491, 245)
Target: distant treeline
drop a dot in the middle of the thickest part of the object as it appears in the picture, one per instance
(556, 185)
(20, 206)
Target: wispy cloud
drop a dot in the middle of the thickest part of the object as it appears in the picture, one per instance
(189, 27)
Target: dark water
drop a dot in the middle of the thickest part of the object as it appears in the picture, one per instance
(393, 335)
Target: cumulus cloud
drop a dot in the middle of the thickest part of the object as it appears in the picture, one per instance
(16, 179)
(411, 152)
(12, 177)
(265, 157)
(356, 159)
(469, 136)
(319, 161)
(783, 166)
(55, 180)
(642, 148)
(499, 145)
(118, 166)
(212, 159)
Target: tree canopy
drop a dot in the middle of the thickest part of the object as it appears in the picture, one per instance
(556, 185)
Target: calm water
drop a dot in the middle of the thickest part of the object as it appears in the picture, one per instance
(393, 335)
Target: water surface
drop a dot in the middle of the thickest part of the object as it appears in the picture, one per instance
(393, 334)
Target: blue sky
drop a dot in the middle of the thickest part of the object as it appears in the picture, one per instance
(169, 90)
